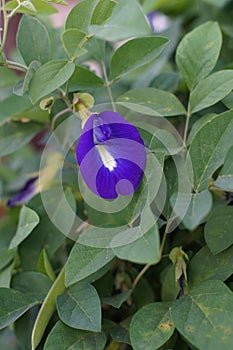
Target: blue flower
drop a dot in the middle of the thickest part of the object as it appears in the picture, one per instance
(25, 194)
(111, 155)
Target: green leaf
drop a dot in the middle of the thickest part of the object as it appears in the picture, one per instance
(205, 265)
(120, 333)
(13, 105)
(8, 78)
(128, 57)
(225, 182)
(198, 52)
(83, 79)
(80, 307)
(151, 326)
(33, 40)
(28, 220)
(204, 317)
(83, 261)
(15, 135)
(211, 90)
(31, 282)
(47, 309)
(13, 305)
(80, 16)
(152, 101)
(49, 77)
(63, 337)
(22, 87)
(227, 168)
(103, 11)
(127, 20)
(192, 208)
(199, 123)
(209, 147)
(117, 300)
(73, 41)
(39, 6)
(143, 250)
(218, 229)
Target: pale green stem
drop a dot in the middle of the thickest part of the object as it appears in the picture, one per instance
(139, 276)
(5, 26)
(186, 128)
(59, 114)
(108, 86)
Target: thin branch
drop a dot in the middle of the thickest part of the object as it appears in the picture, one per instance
(5, 26)
(139, 276)
(186, 128)
(59, 114)
(108, 86)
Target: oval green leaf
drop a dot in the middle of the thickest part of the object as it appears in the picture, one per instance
(49, 77)
(211, 90)
(218, 229)
(151, 326)
(129, 57)
(28, 220)
(13, 305)
(80, 307)
(144, 250)
(127, 20)
(205, 265)
(80, 16)
(198, 52)
(152, 101)
(204, 317)
(103, 11)
(63, 337)
(209, 147)
(83, 261)
(33, 40)
(73, 41)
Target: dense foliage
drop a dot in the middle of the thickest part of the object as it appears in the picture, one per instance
(148, 270)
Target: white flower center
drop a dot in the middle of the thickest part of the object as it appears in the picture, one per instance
(107, 159)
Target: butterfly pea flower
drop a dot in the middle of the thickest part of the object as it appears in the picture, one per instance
(111, 155)
(29, 190)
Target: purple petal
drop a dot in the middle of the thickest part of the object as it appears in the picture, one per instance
(25, 194)
(124, 180)
(111, 155)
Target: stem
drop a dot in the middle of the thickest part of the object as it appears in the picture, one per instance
(188, 117)
(14, 65)
(163, 243)
(139, 276)
(5, 26)
(108, 86)
(59, 114)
